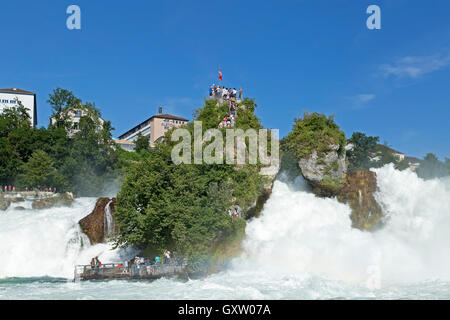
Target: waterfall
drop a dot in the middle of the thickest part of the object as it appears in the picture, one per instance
(108, 220)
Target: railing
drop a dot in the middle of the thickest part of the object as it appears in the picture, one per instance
(119, 271)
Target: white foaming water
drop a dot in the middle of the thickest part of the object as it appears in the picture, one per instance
(302, 247)
(302, 234)
(108, 220)
(37, 243)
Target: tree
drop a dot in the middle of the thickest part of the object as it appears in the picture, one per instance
(142, 143)
(38, 171)
(62, 99)
(431, 167)
(363, 149)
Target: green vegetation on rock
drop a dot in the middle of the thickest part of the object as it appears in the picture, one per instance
(183, 207)
(315, 132)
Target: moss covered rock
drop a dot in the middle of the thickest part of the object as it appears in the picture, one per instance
(358, 193)
(59, 200)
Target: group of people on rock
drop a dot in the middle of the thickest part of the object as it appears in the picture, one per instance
(218, 92)
(227, 121)
(234, 213)
(9, 188)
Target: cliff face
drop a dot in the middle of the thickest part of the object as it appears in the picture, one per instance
(327, 174)
(97, 224)
(358, 193)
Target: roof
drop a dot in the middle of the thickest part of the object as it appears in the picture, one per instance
(390, 149)
(168, 116)
(15, 90)
(123, 142)
(413, 159)
(160, 116)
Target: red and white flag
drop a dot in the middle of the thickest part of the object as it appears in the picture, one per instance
(220, 74)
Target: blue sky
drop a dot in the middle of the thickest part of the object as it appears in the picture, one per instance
(291, 56)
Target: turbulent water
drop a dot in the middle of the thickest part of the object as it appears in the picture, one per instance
(302, 247)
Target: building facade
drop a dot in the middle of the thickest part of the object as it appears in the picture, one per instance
(73, 116)
(10, 98)
(154, 128)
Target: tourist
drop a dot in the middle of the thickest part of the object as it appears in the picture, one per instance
(148, 265)
(92, 263)
(157, 260)
(167, 256)
(97, 263)
(224, 93)
(137, 261)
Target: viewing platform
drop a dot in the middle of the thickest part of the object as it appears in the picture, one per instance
(114, 271)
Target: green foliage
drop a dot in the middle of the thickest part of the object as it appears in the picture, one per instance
(363, 149)
(84, 162)
(184, 207)
(314, 132)
(142, 143)
(431, 167)
(62, 99)
(38, 171)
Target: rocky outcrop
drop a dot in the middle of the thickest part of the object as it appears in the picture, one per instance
(4, 203)
(327, 175)
(326, 172)
(358, 192)
(97, 224)
(58, 200)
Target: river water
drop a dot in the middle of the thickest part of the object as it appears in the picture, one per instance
(302, 247)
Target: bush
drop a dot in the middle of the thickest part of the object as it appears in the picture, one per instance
(315, 132)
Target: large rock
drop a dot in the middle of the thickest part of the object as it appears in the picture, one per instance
(4, 203)
(358, 193)
(58, 200)
(95, 225)
(326, 172)
(327, 175)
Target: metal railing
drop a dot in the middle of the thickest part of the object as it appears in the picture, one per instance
(119, 271)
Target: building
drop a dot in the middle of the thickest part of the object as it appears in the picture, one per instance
(73, 116)
(10, 98)
(414, 163)
(126, 145)
(154, 128)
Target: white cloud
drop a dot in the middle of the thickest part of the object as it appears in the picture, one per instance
(363, 98)
(415, 67)
(360, 100)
